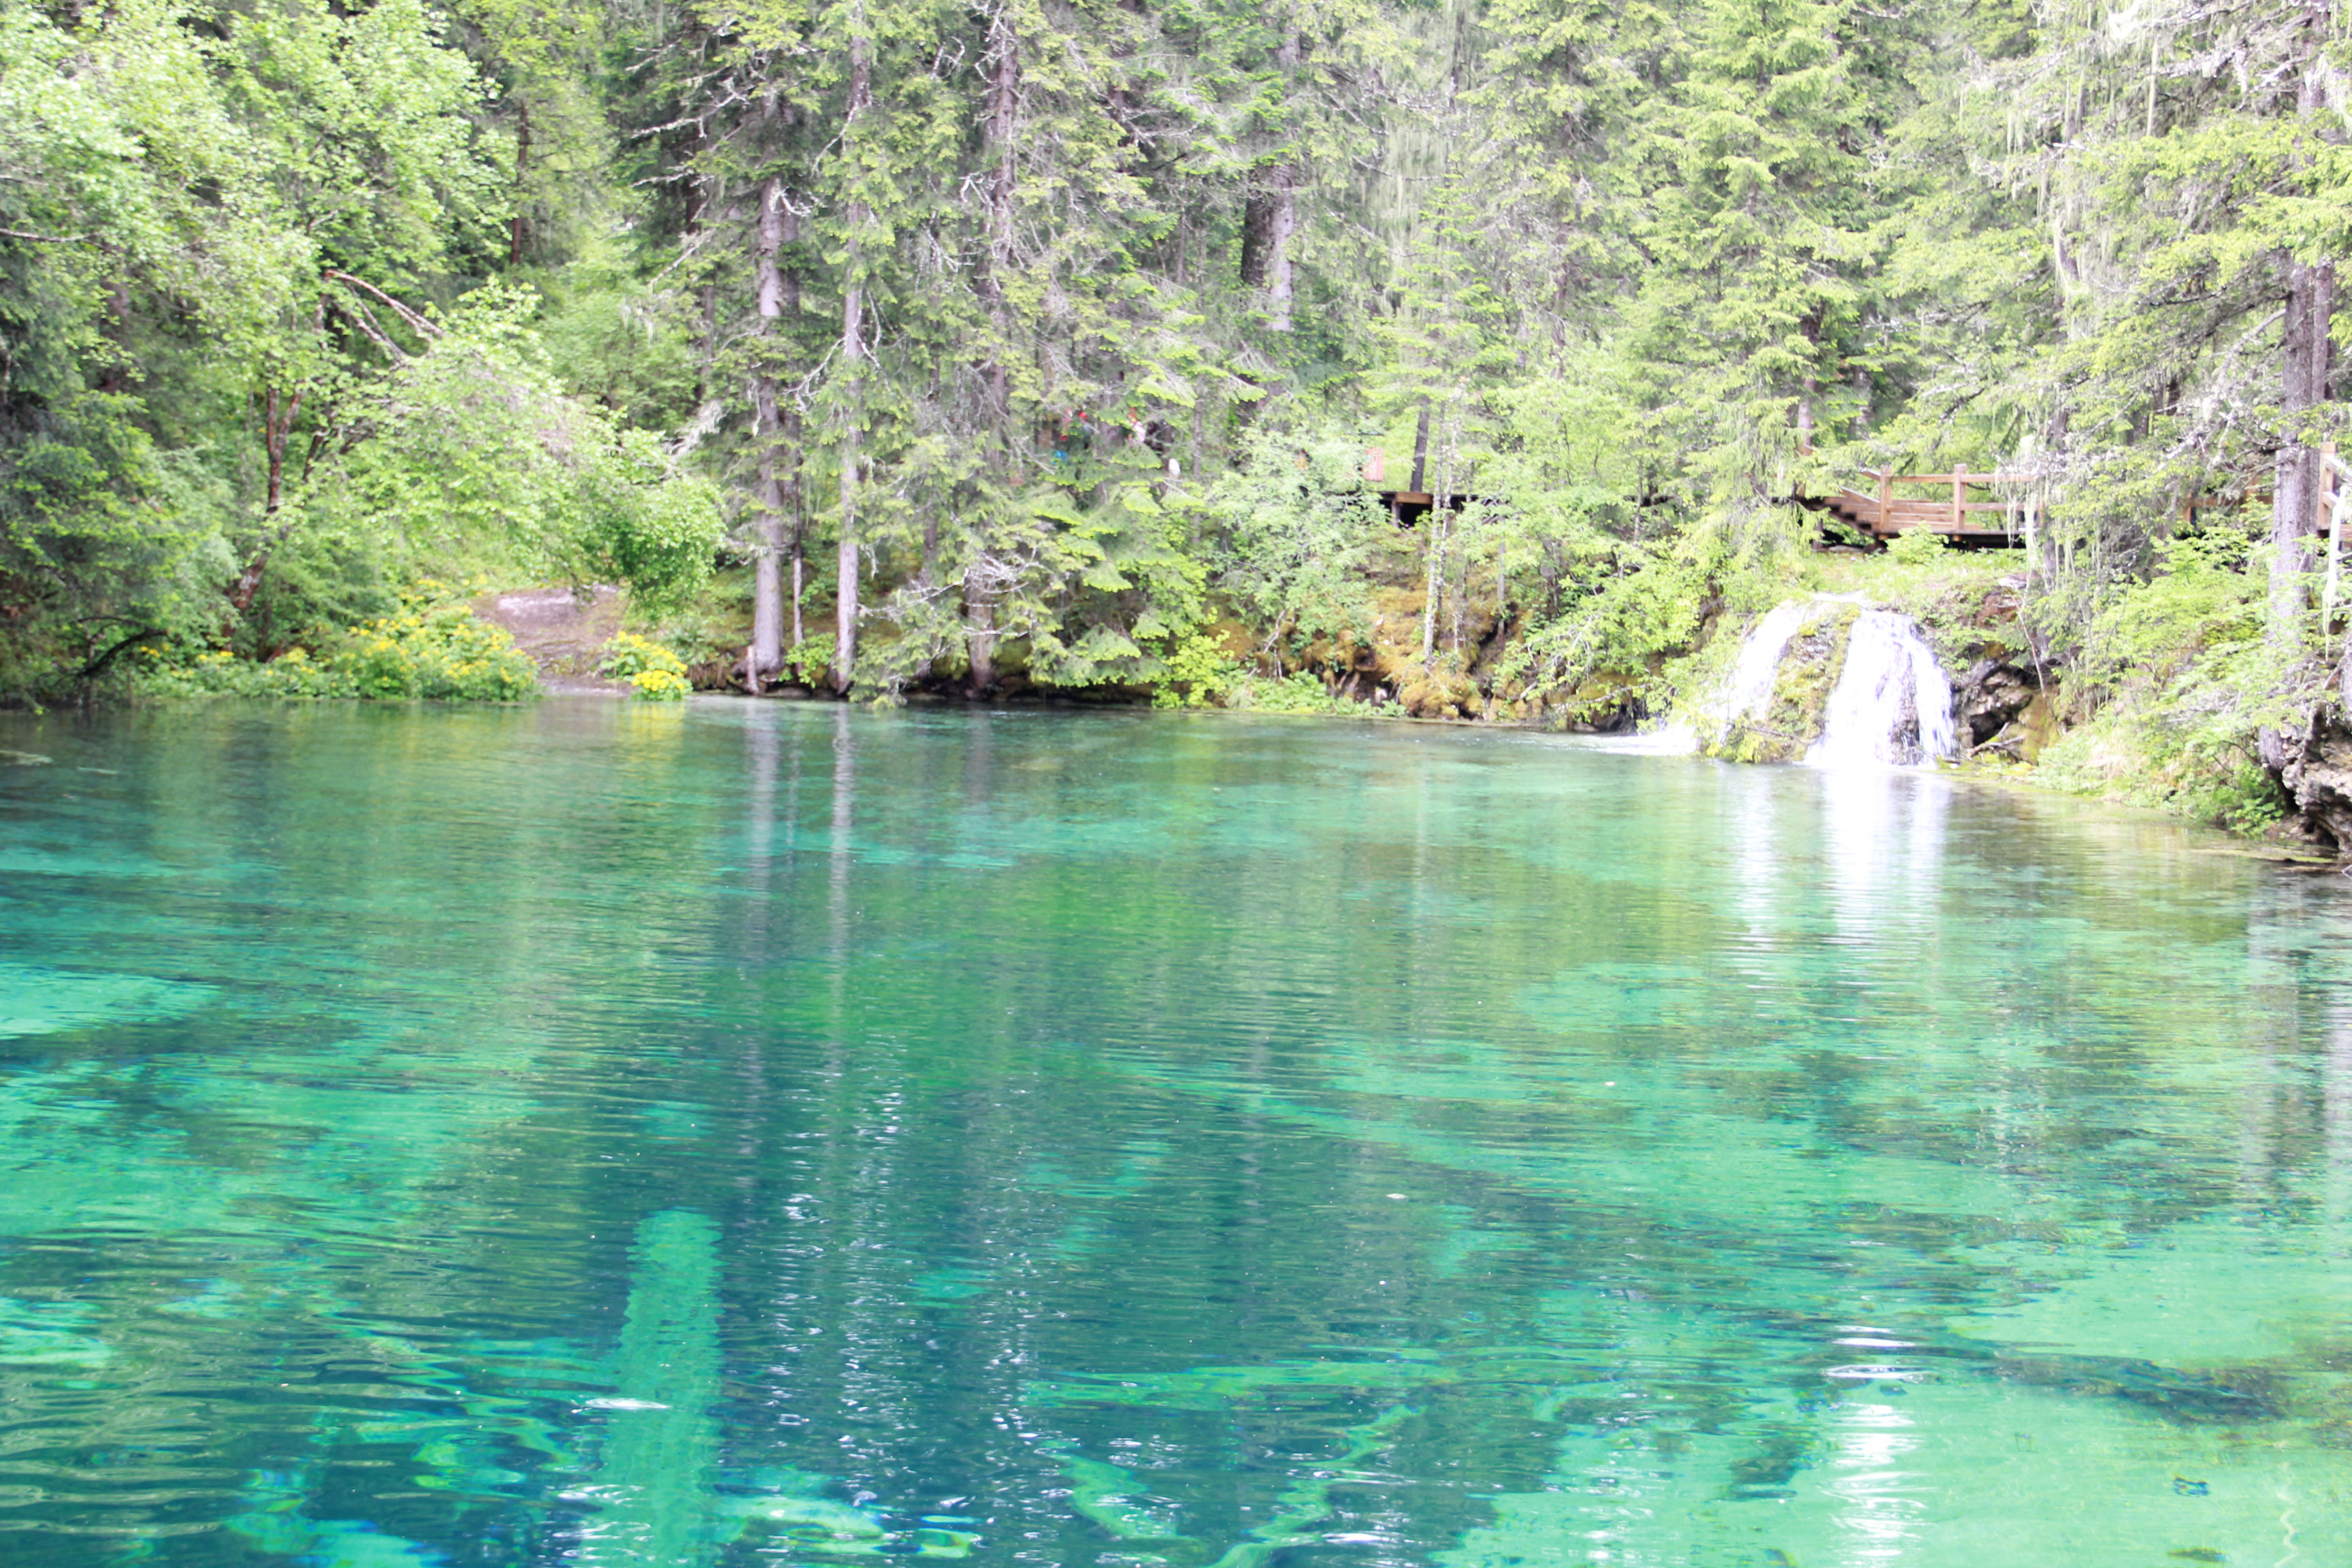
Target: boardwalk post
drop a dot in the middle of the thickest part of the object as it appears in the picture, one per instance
(1959, 500)
(1885, 499)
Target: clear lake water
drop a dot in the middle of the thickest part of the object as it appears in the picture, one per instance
(596, 1134)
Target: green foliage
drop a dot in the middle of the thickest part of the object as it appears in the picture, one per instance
(436, 651)
(1054, 327)
(218, 672)
(1918, 547)
(1292, 531)
(2202, 600)
(1195, 672)
(2193, 679)
(653, 671)
(807, 660)
(470, 451)
(1297, 693)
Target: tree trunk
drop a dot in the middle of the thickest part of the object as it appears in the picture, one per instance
(767, 654)
(853, 355)
(1434, 551)
(1270, 210)
(1258, 236)
(2304, 366)
(1001, 128)
(1440, 515)
(522, 170)
(1003, 120)
(1284, 225)
(1447, 481)
(1282, 222)
(774, 430)
(2304, 348)
(116, 376)
(2303, 353)
(980, 634)
(1502, 582)
(278, 416)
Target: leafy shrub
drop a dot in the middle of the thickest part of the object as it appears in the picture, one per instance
(1298, 693)
(1196, 672)
(476, 452)
(2189, 680)
(220, 673)
(439, 652)
(1918, 547)
(806, 662)
(656, 674)
(659, 686)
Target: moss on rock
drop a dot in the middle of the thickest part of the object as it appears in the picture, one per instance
(1808, 672)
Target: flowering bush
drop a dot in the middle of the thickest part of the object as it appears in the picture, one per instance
(661, 685)
(441, 651)
(657, 674)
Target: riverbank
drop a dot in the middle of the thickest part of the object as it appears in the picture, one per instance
(2164, 711)
(2161, 715)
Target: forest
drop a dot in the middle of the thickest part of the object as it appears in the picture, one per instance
(909, 349)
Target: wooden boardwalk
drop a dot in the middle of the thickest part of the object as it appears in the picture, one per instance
(1947, 509)
(1959, 506)
(1406, 501)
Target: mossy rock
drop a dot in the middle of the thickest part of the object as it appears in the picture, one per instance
(1610, 700)
(1441, 693)
(1808, 672)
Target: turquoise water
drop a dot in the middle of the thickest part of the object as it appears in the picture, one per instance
(608, 1134)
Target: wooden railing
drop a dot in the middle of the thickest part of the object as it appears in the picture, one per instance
(1882, 513)
(1959, 483)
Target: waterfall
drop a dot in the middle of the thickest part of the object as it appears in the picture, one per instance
(1892, 705)
(1749, 692)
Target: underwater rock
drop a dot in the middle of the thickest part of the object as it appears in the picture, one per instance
(2187, 1398)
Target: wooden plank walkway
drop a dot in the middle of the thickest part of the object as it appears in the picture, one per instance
(1947, 510)
(1407, 502)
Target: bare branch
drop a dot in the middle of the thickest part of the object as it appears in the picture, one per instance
(425, 327)
(54, 239)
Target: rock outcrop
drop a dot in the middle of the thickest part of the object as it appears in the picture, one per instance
(2315, 770)
(1991, 695)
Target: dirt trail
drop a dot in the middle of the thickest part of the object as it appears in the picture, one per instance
(562, 632)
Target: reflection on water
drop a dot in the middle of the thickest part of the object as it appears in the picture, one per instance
(770, 1134)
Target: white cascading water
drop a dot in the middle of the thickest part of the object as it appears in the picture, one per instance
(1749, 692)
(1892, 706)
(1745, 693)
